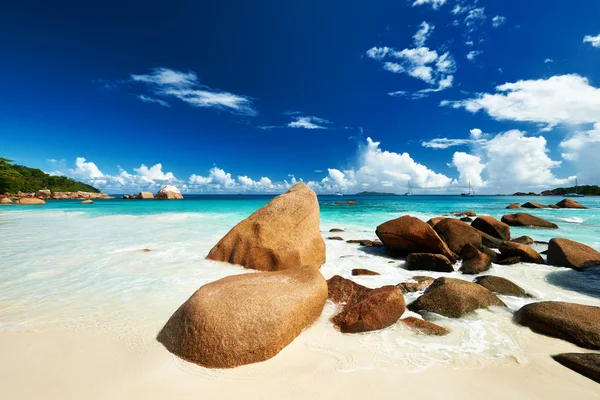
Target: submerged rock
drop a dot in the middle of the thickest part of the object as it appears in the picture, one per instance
(501, 286)
(576, 323)
(417, 284)
(524, 219)
(586, 364)
(282, 234)
(169, 192)
(244, 319)
(568, 253)
(378, 309)
(474, 261)
(454, 298)
(362, 271)
(525, 253)
(568, 203)
(492, 227)
(424, 327)
(88, 201)
(351, 203)
(457, 234)
(406, 235)
(428, 262)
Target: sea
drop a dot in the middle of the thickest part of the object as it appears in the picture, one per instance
(120, 268)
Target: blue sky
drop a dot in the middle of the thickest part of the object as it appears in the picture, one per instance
(241, 96)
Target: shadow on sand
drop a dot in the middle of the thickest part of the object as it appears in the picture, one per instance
(585, 282)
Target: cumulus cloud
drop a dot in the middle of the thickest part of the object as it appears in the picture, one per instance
(435, 4)
(419, 62)
(498, 21)
(217, 179)
(185, 86)
(154, 173)
(559, 99)
(86, 170)
(469, 168)
(593, 40)
(581, 142)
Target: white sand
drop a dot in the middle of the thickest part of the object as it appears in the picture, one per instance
(77, 365)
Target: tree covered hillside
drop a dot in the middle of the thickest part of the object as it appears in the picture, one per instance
(15, 178)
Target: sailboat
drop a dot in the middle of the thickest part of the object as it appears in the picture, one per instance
(574, 194)
(471, 192)
(410, 192)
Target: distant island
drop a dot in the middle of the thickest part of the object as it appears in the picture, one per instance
(16, 178)
(375, 194)
(587, 190)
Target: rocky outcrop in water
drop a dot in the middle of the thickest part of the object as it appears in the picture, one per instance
(568, 203)
(30, 201)
(457, 234)
(523, 252)
(145, 196)
(474, 261)
(499, 285)
(492, 227)
(576, 323)
(282, 234)
(524, 219)
(363, 271)
(571, 254)
(168, 192)
(244, 319)
(424, 327)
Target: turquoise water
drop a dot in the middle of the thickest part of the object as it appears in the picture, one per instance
(82, 267)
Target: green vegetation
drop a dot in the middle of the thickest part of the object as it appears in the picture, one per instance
(15, 178)
(588, 190)
(375, 194)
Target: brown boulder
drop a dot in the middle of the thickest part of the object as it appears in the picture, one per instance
(282, 234)
(246, 318)
(468, 213)
(435, 220)
(5, 200)
(492, 227)
(509, 261)
(342, 290)
(428, 262)
(474, 261)
(424, 327)
(417, 284)
(466, 219)
(362, 242)
(30, 200)
(586, 364)
(332, 230)
(489, 252)
(144, 196)
(513, 206)
(335, 238)
(526, 253)
(501, 286)
(457, 234)
(379, 309)
(533, 204)
(43, 194)
(351, 203)
(454, 298)
(568, 203)
(362, 271)
(168, 192)
(523, 240)
(377, 243)
(568, 253)
(88, 201)
(407, 234)
(524, 219)
(575, 323)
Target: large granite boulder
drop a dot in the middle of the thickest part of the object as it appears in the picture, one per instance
(244, 319)
(424, 327)
(428, 262)
(168, 192)
(568, 203)
(533, 204)
(145, 196)
(523, 240)
(342, 290)
(363, 271)
(5, 200)
(457, 234)
(576, 323)
(30, 200)
(379, 309)
(492, 227)
(435, 220)
(473, 260)
(513, 206)
(44, 194)
(454, 298)
(503, 286)
(406, 235)
(526, 253)
(282, 234)
(524, 219)
(568, 253)
(586, 364)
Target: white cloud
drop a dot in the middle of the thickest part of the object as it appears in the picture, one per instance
(86, 170)
(475, 133)
(264, 184)
(548, 61)
(423, 34)
(217, 179)
(444, 143)
(185, 86)
(435, 4)
(475, 17)
(559, 99)
(469, 168)
(580, 142)
(148, 99)
(154, 173)
(308, 122)
(498, 21)
(593, 40)
(472, 54)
